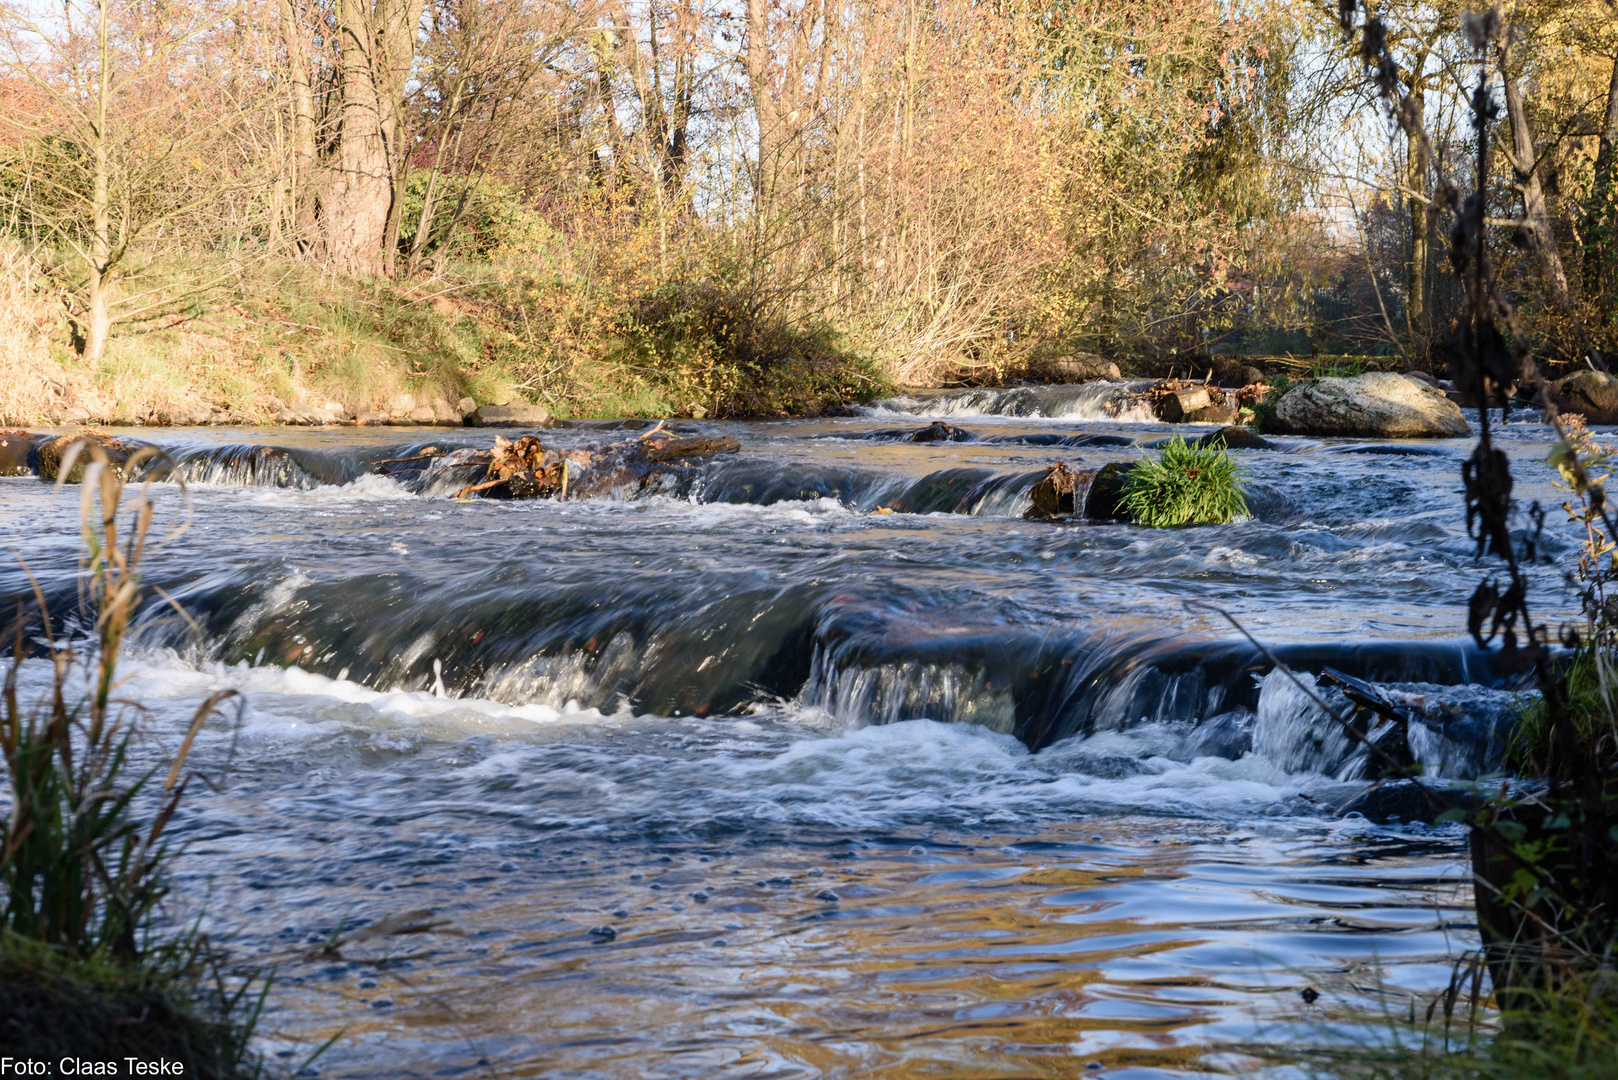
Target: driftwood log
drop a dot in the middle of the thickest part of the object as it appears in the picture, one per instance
(1054, 494)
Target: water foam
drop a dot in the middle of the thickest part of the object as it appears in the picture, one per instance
(1093, 401)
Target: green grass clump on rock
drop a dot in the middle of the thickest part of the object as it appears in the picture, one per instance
(1186, 485)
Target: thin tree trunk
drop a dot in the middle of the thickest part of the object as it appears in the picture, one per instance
(1603, 214)
(1416, 182)
(303, 125)
(765, 107)
(430, 200)
(97, 321)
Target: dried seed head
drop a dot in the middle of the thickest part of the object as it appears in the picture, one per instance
(1482, 29)
(1346, 10)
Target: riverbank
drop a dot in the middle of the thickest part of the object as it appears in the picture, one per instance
(53, 1008)
(276, 343)
(280, 343)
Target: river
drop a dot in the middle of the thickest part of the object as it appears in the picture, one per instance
(748, 776)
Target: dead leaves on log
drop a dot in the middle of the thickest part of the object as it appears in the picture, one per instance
(526, 469)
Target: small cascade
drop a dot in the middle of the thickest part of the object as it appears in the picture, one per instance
(437, 470)
(235, 465)
(1081, 401)
(1296, 734)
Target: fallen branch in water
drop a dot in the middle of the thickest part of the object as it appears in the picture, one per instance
(527, 469)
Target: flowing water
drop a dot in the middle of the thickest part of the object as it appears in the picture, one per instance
(749, 776)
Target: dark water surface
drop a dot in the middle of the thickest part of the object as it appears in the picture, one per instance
(936, 792)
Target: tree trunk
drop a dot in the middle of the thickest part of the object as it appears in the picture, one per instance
(376, 50)
(1603, 217)
(1416, 182)
(96, 321)
(765, 107)
(302, 180)
(1523, 161)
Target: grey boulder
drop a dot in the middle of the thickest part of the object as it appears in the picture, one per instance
(1376, 405)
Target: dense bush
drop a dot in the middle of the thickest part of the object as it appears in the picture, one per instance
(710, 347)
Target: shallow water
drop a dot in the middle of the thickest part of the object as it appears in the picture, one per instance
(938, 792)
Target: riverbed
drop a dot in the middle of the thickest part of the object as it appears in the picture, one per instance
(821, 761)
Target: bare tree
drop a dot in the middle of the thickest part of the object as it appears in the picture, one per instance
(123, 144)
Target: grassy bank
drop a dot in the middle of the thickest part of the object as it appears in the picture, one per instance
(53, 1006)
(271, 337)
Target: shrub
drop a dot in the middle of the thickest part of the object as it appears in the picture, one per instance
(1264, 408)
(1186, 485)
(1588, 694)
(496, 221)
(707, 345)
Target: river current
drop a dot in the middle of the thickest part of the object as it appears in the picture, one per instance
(820, 762)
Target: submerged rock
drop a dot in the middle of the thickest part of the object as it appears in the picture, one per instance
(1105, 499)
(1228, 735)
(938, 431)
(1591, 394)
(1395, 801)
(1054, 495)
(1377, 405)
(1236, 437)
(525, 469)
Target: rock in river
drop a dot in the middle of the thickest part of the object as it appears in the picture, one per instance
(1591, 394)
(1235, 437)
(518, 414)
(49, 455)
(1105, 499)
(1376, 405)
(16, 453)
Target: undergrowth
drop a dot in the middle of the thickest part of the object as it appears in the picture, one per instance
(267, 336)
(1186, 485)
(1571, 1035)
(1264, 408)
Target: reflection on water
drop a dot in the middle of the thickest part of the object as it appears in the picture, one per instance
(1119, 942)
